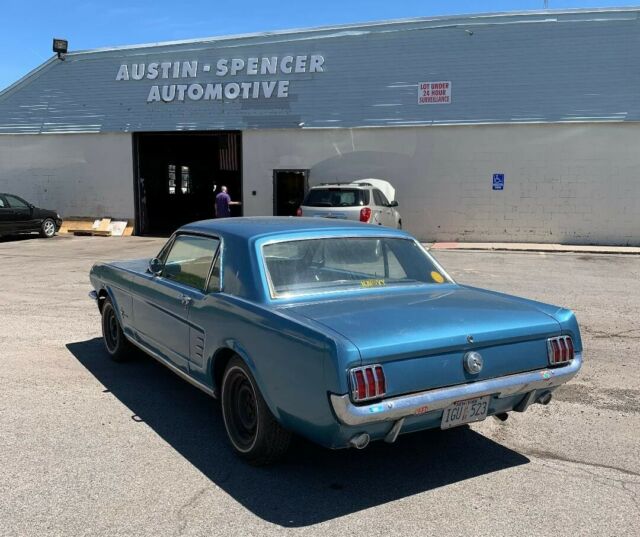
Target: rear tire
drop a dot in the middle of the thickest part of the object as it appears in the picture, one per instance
(48, 228)
(115, 342)
(254, 433)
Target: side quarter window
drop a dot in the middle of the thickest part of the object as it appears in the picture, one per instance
(189, 260)
(3, 204)
(215, 282)
(380, 199)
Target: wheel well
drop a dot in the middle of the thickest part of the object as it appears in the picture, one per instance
(220, 360)
(102, 296)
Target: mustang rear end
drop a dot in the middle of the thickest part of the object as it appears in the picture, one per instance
(445, 357)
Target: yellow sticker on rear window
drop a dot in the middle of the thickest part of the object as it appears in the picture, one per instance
(372, 283)
(437, 277)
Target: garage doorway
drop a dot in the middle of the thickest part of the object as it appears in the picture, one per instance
(289, 189)
(178, 175)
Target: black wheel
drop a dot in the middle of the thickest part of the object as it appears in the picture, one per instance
(48, 228)
(115, 342)
(252, 430)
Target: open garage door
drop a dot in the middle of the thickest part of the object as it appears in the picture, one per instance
(179, 174)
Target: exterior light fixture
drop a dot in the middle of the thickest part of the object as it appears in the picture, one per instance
(60, 47)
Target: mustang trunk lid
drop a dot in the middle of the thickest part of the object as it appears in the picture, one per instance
(421, 337)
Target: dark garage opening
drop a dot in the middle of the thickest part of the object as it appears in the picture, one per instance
(179, 174)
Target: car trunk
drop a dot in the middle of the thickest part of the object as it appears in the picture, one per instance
(421, 337)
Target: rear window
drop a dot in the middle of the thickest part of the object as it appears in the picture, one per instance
(313, 266)
(336, 197)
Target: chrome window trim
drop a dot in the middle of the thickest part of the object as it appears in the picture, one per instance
(275, 296)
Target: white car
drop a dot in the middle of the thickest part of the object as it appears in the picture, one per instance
(364, 200)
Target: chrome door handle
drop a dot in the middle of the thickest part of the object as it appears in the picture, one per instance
(186, 300)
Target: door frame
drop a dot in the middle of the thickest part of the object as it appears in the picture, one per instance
(305, 172)
(136, 160)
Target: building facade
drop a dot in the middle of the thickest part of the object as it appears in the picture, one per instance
(508, 127)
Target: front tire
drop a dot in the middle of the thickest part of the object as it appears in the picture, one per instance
(116, 343)
(254, 433)
(48, 228)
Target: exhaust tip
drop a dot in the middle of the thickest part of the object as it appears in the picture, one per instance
(544, 399)
(360, 441)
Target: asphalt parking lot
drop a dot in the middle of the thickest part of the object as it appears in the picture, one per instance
(90, 447)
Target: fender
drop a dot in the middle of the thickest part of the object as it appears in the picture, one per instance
(235, 346)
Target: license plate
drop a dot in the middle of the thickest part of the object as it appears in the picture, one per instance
(467, 411)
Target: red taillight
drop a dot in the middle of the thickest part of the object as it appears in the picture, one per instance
(367, 382)
(560, 349)
(365, 214)
(360, 388)
(299, 211)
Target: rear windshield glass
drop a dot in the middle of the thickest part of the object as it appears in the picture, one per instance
(323, 265)
(336, 197)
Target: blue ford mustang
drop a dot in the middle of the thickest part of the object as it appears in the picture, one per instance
(340, 332)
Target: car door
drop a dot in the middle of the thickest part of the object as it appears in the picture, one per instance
(20, 213)
(162, 302)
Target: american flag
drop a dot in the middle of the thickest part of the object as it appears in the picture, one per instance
(229, 153)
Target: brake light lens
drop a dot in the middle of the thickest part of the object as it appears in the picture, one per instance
(367, 382)
(560, 350)
(365, 214)
(299, 211)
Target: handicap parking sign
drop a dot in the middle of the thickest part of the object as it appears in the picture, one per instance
(498, 181)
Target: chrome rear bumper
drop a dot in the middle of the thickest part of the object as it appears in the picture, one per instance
(420, 403)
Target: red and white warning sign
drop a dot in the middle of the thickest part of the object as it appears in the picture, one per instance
(434, 92)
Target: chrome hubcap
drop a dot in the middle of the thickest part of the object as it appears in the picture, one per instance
(49, 228)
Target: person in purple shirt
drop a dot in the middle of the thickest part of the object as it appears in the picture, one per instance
(223, 201)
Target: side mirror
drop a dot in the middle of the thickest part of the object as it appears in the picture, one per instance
(155, 266)
(394, 203)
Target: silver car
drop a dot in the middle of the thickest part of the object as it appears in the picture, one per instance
(365, 200)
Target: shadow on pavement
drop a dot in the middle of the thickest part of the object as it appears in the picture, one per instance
(312, 484)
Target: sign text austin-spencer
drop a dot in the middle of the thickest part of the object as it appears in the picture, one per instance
(181, 87)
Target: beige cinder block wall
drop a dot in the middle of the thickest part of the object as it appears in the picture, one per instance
(566, 183)
(77, 174)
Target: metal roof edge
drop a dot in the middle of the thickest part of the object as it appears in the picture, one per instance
(462, 18)
(23, 80)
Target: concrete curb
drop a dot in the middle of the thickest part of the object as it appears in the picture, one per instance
(533, 247)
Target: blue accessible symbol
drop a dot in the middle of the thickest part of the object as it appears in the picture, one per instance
(498, 181)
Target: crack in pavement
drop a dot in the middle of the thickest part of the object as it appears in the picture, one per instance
(552, 456)
(180, 513)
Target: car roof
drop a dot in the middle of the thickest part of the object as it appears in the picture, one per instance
(249, 227)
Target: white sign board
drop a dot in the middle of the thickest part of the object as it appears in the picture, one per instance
(434, 92)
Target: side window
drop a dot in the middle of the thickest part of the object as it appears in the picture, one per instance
(383, 198)
(16, 202)
(380, 199)
(3, 204)
(189, 260)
